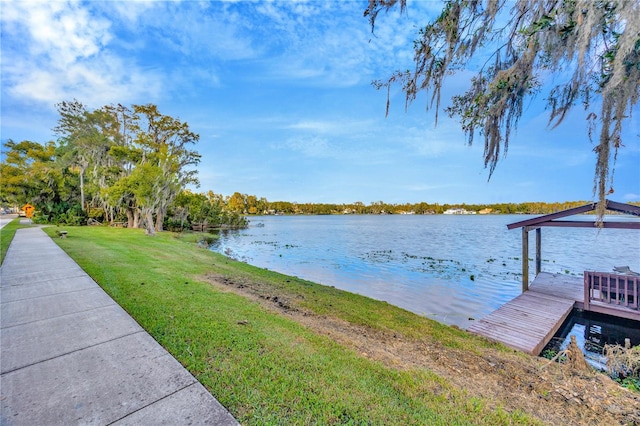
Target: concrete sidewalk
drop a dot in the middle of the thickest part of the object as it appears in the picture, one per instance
(70, 355)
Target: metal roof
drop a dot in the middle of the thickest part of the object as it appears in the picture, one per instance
(550, 219)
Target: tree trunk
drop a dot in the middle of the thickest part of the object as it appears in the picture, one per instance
(148, 222)
(82, 188)
(130, 218)
(136, 218)
(183, 218)
(159, 219)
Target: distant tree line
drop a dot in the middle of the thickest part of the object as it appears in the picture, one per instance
(251, 204)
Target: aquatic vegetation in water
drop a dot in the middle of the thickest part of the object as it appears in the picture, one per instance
(379, 256)
(275, 244)
(446, 269)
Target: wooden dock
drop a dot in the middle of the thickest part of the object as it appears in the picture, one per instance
(529, 322)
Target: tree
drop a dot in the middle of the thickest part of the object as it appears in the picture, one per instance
(147, 183)
(31, 173)
(156, 144)
(127, 161)
(237, 203)
(85, 140)
(123, 156)
(164, 142)
(121, 195)
(598, 41)
(252, 204)
(28, 171)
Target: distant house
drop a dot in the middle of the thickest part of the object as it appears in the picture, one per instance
(458, 211)
(485, 211)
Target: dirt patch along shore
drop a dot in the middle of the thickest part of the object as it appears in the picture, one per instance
(550, 392)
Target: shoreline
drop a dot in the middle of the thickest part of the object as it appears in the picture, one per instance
(358, 358)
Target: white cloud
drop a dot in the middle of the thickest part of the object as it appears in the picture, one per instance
(424, 140)
(131, 10)
(54, 51)
(333, 127)
(62, 49)
(62, 31)
(37, 85)
(330, 43)
(213, 34)
(316, 126)
(95, 82)
(426, 188)
(313, 146)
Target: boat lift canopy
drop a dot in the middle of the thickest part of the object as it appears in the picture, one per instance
(552, 220)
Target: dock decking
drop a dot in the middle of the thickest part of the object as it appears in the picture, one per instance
(528, 322)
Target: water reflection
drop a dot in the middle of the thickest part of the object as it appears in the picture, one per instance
(450, 268)
(593, 332)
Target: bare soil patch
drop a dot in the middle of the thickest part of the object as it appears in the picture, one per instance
(550, 392)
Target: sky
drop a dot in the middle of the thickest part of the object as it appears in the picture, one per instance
(280, 93)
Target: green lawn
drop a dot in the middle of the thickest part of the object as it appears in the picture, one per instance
(6, 236)
(263, 366)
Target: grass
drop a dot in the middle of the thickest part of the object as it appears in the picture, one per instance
(263, 366)
(6, 236)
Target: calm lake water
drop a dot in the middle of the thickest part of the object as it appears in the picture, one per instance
(454, 269)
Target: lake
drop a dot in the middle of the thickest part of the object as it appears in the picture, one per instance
(451, 268)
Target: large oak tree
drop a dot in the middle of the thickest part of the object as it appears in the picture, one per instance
(139, 159)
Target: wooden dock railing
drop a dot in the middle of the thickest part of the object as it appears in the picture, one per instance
(612, 294)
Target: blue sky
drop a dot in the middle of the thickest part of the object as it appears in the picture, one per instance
(280, 94)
